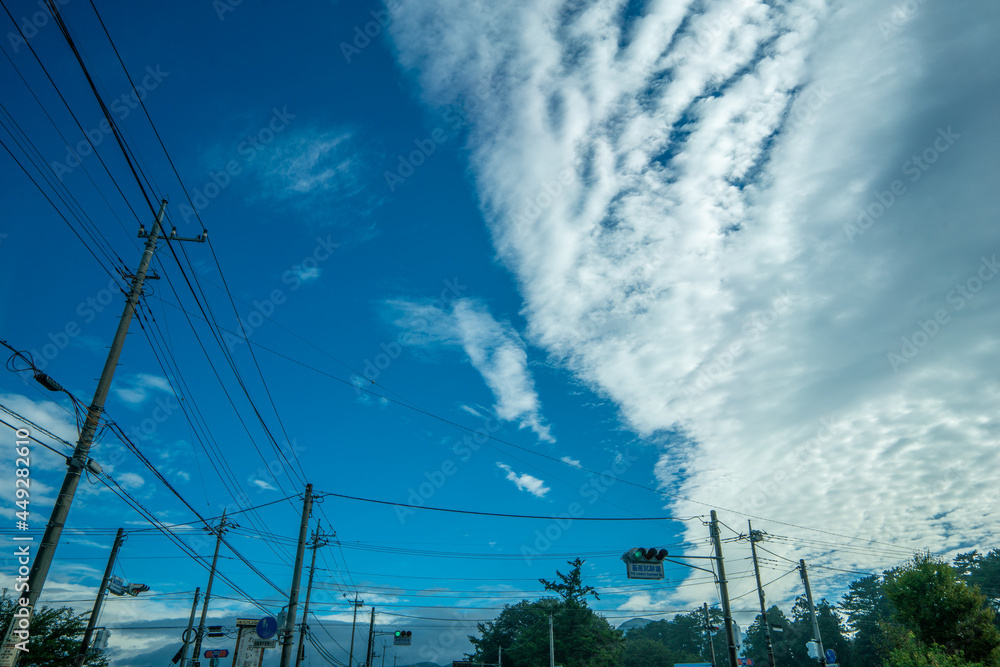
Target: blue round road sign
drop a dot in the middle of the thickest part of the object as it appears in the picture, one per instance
(267, 627)
(831, 656)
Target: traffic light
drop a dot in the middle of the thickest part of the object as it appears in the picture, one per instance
(640, 555)
(644, 563)
(402, 638)
(135, 589)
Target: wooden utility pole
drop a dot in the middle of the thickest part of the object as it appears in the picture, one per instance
(708, 633)
(293, 598)
(812, 612)
(317, 542)
(724, 589)
(85, 644)
(219, 531)
(757, 536)
(371, 640)
(357, 603)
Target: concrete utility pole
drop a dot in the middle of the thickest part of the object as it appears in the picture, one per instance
(756, 536)
(317, 542)
(357, 603)
(81, 454)
(371, 639)
(187, 633)
(724, 589)
(708, 633)
(208, 591)
(552, 645)
(85, 644)
(812, 612)
(293, 598)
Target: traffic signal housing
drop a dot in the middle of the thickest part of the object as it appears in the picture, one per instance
(642, 563)
(402, 638)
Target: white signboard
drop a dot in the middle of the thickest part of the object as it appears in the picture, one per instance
(644, 570)
(245, 654)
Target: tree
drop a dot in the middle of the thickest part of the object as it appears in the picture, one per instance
(981, 571)
(582, 638)
(868, 611)
(755, 643)
(683, 637)
(940, 609)
(911, 652)
(55, 636)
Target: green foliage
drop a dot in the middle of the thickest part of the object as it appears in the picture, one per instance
(683, 638)
(868, 611)
(940, 609)
(55, 637)
(911, 652)
(582, 638)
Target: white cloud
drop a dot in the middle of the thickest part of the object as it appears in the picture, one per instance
(137, 388)
(570, 461)
(525, 482)
(676, 218)
(321, 173)
(130, 480)
(494, 348)
(306, 274)
(262, 485)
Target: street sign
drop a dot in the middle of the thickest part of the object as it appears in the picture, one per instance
(263, 643)
(116, 585)
(217, 653)
(831, 656)
(745, 661)
(267, 627)
(644, 570)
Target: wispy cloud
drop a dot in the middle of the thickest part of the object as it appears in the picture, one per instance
(525, 482)
(321, 173)
(137, 389)
(494, 348)
(656, 181)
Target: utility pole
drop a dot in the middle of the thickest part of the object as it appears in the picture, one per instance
(756, 536)
(357, 603)
(317, 542)
(812, 612)
(708, 633)
(293, 597)
(187, 633)
(85, 644)
(81, 453)
(211, 578)
(371, 638)
(724, 589)
(552, 645)
(499, 655)
(384, 646)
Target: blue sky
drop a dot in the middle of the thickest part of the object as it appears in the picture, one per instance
(733, 254)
